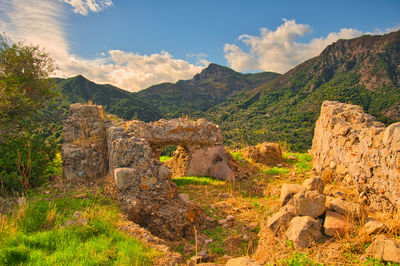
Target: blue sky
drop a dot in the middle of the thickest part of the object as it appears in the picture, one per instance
(135, 44)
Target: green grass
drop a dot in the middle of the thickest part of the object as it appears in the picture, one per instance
(237, 155)
(277, 171)
(299, 259)
(197, 180)
(165, 158)
(302, 161)
(218, 234)
(35, 235)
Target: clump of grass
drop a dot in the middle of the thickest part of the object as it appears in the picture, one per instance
(197, 180)
(237, 155)
(299, 259)
(218, 235)
(165, 158)
(276, 171)
(35, 234)
(302, 161)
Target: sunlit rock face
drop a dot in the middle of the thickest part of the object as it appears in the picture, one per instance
(357, 149)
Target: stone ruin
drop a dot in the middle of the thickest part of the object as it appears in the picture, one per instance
(354, 148)
(129, 154)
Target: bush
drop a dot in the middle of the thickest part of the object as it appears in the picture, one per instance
(27, 140)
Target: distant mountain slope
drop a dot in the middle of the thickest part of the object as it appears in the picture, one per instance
(208, 88)
(119, 102)
(363, 71)
(213, 85)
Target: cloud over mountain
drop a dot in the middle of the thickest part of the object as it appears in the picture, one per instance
(279, 50)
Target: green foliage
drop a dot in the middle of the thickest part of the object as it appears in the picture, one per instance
(286, 108)
(38, 240)
(164, 158)
(197, 180)
(28, 132)
(299, 259)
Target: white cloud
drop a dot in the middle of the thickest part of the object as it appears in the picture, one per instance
(83, 7)
(278, 50)
(38, 22)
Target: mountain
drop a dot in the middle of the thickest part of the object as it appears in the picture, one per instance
(122, 103)
(363, 71)
(213, 85)
(167, 100)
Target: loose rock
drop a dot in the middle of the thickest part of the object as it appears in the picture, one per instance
(288, 191)
(336, 224)
(242, 261)
(314, 183)
(303, 230)
(309, 203)
(373, 226)
(384, 248)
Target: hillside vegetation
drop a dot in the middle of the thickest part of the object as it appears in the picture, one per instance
(253, 108)
(363, 71)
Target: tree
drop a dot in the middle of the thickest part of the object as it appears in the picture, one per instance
(25, 93)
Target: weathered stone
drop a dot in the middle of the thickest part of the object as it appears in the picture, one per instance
(288, 191)
(364, 152)
(242, 261)
(314, 183)
(84, 150)
(348, 209)
(265, 153)
(201, 161)
(123, 177)
(303, 230)
(309, 203)
(202, 256)
(384, 248)
(279, 221)
(336, 224)
(373, 226)
(129, 154)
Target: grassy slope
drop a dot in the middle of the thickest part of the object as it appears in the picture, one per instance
(37, 234)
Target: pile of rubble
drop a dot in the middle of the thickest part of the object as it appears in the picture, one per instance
(307, 214)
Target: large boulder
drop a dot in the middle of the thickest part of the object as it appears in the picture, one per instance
(360, 151)
(266, 153)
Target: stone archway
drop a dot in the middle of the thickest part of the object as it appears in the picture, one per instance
(129, 154)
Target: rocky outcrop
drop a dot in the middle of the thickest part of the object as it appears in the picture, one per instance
(265, 153)
(359, 150)
(129, 154)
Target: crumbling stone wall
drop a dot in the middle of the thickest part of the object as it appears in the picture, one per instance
(84, 149)
(356, 149)
(130, 155)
